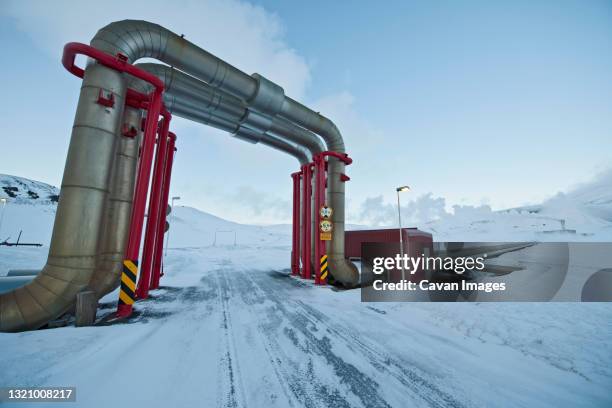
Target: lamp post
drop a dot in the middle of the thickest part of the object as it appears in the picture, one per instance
(3, 201)
(399, 219)
(171, 216)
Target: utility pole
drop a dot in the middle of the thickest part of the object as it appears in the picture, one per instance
(399, 219)
(171, 216)
(3, 201)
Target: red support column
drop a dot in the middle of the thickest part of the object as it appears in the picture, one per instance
(306, 237)
(130, 264)
(142, 291)
(161, 225)
(295, 236)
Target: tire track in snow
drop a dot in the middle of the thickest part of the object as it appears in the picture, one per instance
(281, 372)
(306, 385)
(234, 394)
(418, 383)
(297, 390)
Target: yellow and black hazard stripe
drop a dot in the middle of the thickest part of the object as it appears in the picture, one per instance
(324, 268)
(127, 293)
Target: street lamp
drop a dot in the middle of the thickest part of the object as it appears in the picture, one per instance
(3, 201)
(171, 216)
(399, 219)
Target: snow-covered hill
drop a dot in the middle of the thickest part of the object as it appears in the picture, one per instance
(191, 227)
(21, 190)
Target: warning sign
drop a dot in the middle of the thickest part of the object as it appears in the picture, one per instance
(325, 236)
(325, 226)
(325, 212)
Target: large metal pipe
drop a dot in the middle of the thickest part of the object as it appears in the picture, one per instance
(184, 110)
(222, 110)
(137, 39)
(78, 220)
(108, 273)
(200, 94)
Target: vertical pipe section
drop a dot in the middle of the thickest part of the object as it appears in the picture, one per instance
(119, 207)
(148, 251)
(161, 225)
(80, 210)
(341, 268)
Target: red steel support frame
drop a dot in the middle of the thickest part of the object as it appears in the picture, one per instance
(124, 308)
(159, 241)
(120, 63)
(295, 236)
(306, 212)
(148, 251)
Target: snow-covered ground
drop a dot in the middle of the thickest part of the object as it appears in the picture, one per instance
(231, 328)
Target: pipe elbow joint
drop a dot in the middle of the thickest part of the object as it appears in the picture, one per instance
(344, 271)
(133, 38)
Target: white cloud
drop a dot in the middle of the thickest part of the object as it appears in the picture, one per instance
(248, 36)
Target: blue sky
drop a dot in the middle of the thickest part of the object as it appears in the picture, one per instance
(478, 102)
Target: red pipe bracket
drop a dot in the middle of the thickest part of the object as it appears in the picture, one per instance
(118, 62)
(108, 101)
(343, 157)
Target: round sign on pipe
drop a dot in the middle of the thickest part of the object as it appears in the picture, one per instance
(326, 226)
(326, 212)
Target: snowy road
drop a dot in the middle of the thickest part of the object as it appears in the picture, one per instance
(232, 329)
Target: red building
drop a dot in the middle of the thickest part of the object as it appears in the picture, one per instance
(416, 242)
